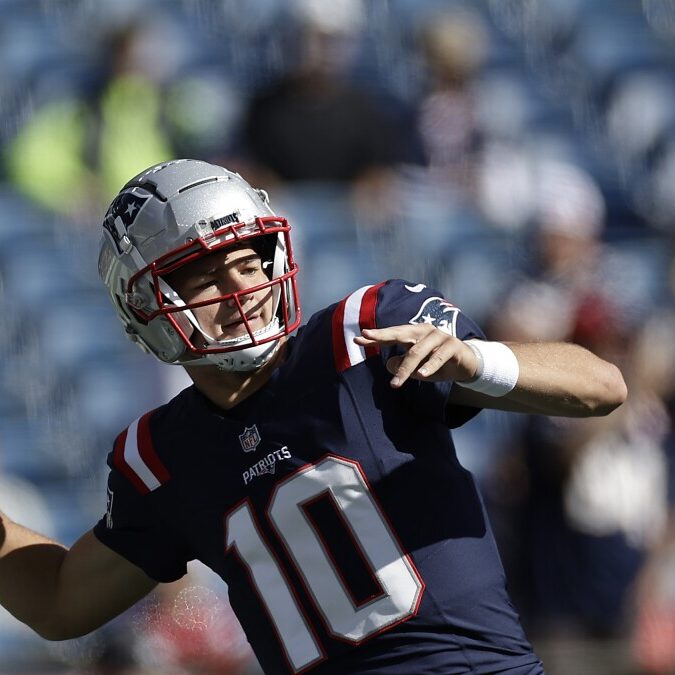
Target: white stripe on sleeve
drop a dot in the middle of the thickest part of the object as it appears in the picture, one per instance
(133, 458)
(356, 353)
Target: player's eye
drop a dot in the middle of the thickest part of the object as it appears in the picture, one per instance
(206, 283)
(250, 268)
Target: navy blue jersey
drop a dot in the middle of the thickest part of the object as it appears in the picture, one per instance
(332, 505)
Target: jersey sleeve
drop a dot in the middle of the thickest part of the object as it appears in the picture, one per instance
(400, 302)
(395, 303)
(133, 526)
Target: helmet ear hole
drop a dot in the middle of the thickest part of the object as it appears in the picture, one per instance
(265, 247)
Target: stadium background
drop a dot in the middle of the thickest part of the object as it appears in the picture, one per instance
(517, 154)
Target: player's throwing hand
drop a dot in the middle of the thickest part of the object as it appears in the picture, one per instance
(431, 353)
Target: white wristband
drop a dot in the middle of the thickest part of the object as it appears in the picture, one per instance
(498, 369)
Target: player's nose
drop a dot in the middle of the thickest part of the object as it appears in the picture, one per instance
(234, 283)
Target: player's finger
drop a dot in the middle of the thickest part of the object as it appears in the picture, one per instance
(402, 335)
(417, 356)
(429, 367)
(445, 353)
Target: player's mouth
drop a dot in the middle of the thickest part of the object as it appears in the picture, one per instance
(238, 327)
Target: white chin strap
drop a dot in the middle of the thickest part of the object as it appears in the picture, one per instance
(246, 358)
(242, 360)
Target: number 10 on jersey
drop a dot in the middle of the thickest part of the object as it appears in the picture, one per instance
(345, 482)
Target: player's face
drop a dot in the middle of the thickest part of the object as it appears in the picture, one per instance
(222, 273)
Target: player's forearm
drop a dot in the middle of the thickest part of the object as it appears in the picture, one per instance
(29, 572)
(554, 379)
(566, 379)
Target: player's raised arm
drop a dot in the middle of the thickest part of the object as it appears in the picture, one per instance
(546, 378)
(555, 378)
(64, 593)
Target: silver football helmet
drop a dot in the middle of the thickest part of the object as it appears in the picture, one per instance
(171, 215)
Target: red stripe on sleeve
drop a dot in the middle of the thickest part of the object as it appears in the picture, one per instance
(146, 449)
(121, 465)
(367, 316)
(339, 347)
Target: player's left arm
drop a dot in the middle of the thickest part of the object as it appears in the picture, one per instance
(553, 378)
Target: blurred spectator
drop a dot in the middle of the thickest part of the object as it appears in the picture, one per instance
(315, 124)
(429, 208)
(77, 148)
(454, 47)
(566, 264)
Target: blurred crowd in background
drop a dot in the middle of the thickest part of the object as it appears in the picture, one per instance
(518, 155)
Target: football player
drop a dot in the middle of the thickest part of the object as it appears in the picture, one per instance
(311, 468)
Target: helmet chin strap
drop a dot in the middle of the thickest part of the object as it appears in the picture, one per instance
(245, 358)
(242, 360)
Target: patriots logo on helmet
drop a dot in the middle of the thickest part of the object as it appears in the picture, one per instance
(121, 215)
(440, 313)
(126, 206)
(249, 439)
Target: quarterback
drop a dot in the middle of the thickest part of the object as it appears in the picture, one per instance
(312, 468)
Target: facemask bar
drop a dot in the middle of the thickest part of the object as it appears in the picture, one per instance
(168, 304)
(252, 338)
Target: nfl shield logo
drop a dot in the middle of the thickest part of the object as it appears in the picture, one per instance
(249, 439)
